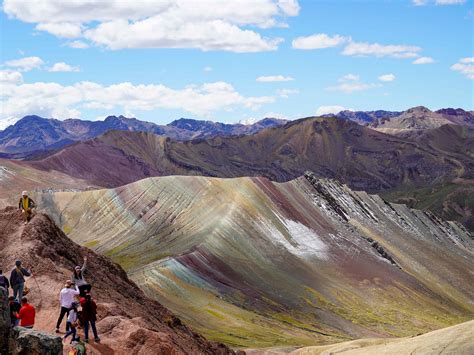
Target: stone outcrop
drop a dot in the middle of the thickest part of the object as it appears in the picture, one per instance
(25, 341)
(4, 321)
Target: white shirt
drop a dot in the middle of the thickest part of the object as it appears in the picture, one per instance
(66, 297)
(72, 316)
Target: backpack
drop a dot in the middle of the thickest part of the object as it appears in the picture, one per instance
(78, 349)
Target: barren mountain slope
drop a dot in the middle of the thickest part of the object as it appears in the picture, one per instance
(256, 263)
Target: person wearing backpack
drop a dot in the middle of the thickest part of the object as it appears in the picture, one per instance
(78, 278)
(72, 323)
(4, 282)
(89, 316)
(17, 280)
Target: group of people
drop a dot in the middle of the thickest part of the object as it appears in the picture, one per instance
(21, 312)
(75, 302)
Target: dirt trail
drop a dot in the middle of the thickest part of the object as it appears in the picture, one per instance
(129, 322)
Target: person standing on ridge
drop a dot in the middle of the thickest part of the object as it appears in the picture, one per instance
(4, 282)
(66, 299)
(26, 206)
(26, 314)
(17, 280)
(89, 317)
(78, 278)
(72, 322)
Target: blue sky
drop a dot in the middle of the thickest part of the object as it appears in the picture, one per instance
(232, 60)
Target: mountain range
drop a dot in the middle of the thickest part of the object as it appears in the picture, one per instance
(432, 168)
(35, 135)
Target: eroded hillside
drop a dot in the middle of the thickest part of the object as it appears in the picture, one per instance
(255, 263)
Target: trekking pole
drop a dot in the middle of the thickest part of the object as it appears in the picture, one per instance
(39, 289)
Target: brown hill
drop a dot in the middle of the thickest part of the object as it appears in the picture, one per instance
(335, 148)
(129, 322)
(420, 118)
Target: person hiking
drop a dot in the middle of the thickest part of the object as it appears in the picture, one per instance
(78, 278)
(26, 314)
(89, 317)
(4, 282)
(66, 299)
(26, 206)
(72, 323)
(17, 279)
(15, 307)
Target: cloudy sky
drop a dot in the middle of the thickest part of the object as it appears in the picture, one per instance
(234, 60)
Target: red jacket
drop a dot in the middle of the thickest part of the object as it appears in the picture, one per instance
(27, 315)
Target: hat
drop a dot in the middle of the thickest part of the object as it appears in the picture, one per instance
(77, 268)
(18, 262)
(24, 193)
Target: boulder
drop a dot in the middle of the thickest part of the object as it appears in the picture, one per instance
(25, 341)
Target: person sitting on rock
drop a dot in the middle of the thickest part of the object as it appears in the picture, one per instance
(66, 299)
(15, 307)
(89, 317)
(17, 280)
(26, 205)
(4, 282)
(26, 314)
(78, 278)
(72, 323)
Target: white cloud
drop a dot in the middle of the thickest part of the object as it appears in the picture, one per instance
(206, 25)
(379, 50)
(289, 7)
(77, 44)
(350, 83)
(51, 99)
(465, 66)
(423, 60)
(285, 93)
(419, 2)
(326, 110)
(318, 41)
(274, 78)
(450, 2)
(63, 67)
(64, 30)
(387, 77)
(25, 64)
(207, 69)
(438, 2)
(349, 77)
(10, 77)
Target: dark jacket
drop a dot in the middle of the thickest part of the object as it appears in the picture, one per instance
(4, 281)
(89, 310)
(17, 276)
(14, 308)
(31, 203)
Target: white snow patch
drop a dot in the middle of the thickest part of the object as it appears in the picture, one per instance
(299, 239)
